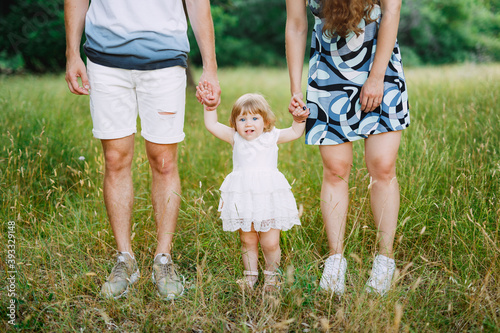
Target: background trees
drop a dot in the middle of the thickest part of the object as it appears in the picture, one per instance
(251, 32)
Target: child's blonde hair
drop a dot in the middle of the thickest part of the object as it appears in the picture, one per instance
(253, 104)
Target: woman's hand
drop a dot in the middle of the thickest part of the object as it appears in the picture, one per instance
(298, 108)
(372, 93)
(296, 102)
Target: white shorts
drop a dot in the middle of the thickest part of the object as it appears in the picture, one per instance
(117, 95)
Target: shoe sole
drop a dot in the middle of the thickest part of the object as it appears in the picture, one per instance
(133, 278)
(373, 290)
(330, 290)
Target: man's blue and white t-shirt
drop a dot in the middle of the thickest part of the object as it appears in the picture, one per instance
(131, 34)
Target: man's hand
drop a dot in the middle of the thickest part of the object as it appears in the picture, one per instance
(75, 68)
(204, 90)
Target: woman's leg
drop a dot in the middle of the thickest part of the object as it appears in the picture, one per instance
(381, 152)
(337, 163)
(250, 253)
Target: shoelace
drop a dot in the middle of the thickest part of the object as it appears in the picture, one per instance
(167, 270)
(120, 270)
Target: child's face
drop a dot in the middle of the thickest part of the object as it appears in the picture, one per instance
(250, 126)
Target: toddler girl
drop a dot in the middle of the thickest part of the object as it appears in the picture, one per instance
(256, 198)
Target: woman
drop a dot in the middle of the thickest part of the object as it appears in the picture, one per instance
(356, 90)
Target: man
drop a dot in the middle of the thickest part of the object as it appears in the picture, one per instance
(137, 54)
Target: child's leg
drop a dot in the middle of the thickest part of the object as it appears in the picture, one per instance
(270, 243)
(250, 253)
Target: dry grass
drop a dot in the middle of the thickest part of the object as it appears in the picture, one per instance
(447, 242)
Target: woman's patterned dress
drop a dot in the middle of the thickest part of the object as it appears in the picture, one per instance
(338, 68)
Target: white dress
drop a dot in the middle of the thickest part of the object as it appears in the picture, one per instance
(255, 191)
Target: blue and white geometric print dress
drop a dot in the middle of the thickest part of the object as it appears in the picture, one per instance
(338, 68)
(256, 192)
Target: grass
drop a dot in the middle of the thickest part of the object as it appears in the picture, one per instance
(447, 242)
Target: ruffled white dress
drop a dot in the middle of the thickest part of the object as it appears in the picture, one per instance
(255, 191)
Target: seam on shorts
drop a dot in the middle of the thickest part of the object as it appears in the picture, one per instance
(114, 134)
(163, 140)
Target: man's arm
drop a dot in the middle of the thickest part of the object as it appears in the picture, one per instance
(200, 18)
(74, 20)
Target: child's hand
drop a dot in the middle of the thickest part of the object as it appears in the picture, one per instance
(205, 94)
(298, 108)
(300, 114)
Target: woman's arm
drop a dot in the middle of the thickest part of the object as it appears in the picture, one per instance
(295, 39)
(373, 89)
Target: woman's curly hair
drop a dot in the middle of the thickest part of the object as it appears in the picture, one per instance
(343, 16)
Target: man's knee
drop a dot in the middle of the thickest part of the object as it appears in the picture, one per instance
(164, 166)
(116, 160)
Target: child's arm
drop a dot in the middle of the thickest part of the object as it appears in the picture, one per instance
(298, 126)
(292, 133)
(219, 130)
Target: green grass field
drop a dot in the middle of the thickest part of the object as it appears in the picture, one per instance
(447, 243)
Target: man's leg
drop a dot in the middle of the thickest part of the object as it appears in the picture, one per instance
(118, 188)
(165, 192)
(118, 197)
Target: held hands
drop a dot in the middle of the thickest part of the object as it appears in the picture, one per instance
(298, 108)
(206, 96)
(208, 92)
(75, 68)
(371, 95)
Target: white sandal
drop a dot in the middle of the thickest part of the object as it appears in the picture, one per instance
(272, 281)
(246, 283)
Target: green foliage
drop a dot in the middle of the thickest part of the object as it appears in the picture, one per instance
(447, 31)
(34, 29)
(252, 32)
(247, 33)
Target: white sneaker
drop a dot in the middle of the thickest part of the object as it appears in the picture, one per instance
(333, 278)
(381, 276)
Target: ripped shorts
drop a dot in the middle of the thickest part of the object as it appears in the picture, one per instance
(118, 95)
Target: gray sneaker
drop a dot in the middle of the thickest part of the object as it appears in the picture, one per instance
(122, 276)
(381, 276)
(333, 278)
(169, 284)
